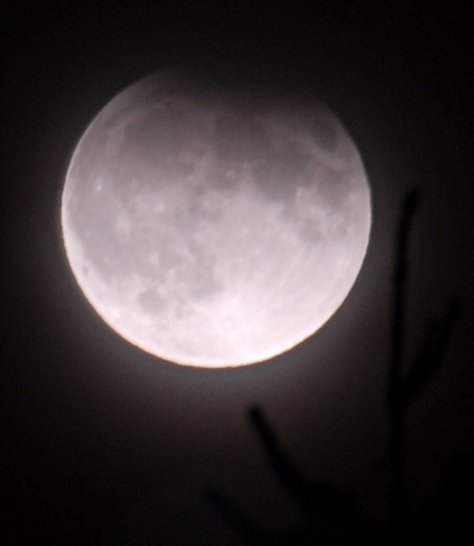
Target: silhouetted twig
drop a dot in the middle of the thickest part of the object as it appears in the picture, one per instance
(431, 353)
(395, 403)
(432, 348)
(286, 471)
(332, 511)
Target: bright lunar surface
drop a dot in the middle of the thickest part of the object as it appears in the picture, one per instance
(213, 227)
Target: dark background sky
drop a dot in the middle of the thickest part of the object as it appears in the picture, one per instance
(103, 444)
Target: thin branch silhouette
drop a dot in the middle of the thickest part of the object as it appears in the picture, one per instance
(395, 400)
(404, 388)
(431, 352)
(286, 471)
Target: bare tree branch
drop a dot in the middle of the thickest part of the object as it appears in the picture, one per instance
(286, 471)
(395, 405)
(431, 353)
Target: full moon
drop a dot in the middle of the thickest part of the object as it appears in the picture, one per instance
(213, 225)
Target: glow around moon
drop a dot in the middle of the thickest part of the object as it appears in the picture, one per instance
(212, 227)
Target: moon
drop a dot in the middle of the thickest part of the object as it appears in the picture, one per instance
(214, 226)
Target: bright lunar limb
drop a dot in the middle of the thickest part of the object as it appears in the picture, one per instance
(213, 227)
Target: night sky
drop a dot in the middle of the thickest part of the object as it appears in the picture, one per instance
(103, 444)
